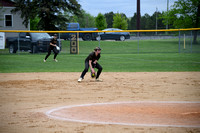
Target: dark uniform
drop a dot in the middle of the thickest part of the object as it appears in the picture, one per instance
(92, 56)
(53, 41)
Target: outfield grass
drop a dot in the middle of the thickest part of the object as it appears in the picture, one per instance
(129, 47)
(154, 56)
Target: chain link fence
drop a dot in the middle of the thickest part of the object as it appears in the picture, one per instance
(115, 42)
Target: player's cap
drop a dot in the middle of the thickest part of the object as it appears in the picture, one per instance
(55, 35)
(97, 48)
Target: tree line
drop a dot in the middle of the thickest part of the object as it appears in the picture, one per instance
(110, 20)
(120, 20)
(54, 14)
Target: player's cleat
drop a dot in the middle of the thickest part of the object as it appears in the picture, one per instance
(44, 60)
(98, 80)
(80, 79)
(55, 60)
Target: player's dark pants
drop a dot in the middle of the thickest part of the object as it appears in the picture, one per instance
(97, 65)
(49, 52)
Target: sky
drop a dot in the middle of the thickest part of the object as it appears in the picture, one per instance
(128, 7)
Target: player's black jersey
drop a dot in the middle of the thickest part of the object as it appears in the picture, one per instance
(92, 56)
(53, 41)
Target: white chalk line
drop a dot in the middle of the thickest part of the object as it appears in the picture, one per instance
(48, 113)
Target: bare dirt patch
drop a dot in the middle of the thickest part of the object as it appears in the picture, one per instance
(25, 97)
(150, 113)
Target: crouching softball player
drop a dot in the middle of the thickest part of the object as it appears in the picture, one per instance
(91, 61)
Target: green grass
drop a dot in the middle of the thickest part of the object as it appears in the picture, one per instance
(130, 47)
(154, 56)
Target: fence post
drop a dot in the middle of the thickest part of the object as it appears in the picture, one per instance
(78, 41)
(191, 42)
(18, 44)
(138, 42)
(59, 39)
(98, 39)
(179, 42)
(74, 43)
(99, 43)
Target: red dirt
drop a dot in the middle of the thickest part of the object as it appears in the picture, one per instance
(161, 114)
(26, 97)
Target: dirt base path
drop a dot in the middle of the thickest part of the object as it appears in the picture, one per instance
(26, 97)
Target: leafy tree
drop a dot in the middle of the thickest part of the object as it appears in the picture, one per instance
(146, 22)
(34, 23)
(100, 22)
(160, 24)
(48, 11)
(133, 22)
(109, 19)
(86, 20)
(184, 14)
(119, 21)
(124, 16)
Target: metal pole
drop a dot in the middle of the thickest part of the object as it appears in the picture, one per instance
(98, 39)
(167, 27)
(156, 20)
(191, 42)
(99, 43)
(184, 41)
(179, 42)
(59, 39)
(138, 14)
(18, 44)
(138, 42)
(167, 13)
(77, 39)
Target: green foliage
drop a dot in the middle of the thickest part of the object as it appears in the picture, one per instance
(146, 22)
(34, 23)
(86, 20)
(183, 14)
(133, 22)
(109, 19)
(49, 12)
(120, 21)
(160, 24)
(100, 22)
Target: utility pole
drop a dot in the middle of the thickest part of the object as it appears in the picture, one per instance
(156, 19)
(138, 15)
(167, 13)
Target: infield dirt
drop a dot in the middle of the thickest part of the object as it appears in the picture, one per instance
(26, 97)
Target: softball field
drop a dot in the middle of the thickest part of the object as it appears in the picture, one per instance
(124, 102)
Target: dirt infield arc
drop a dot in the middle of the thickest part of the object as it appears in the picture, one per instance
(25, 98)
(138, 113)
